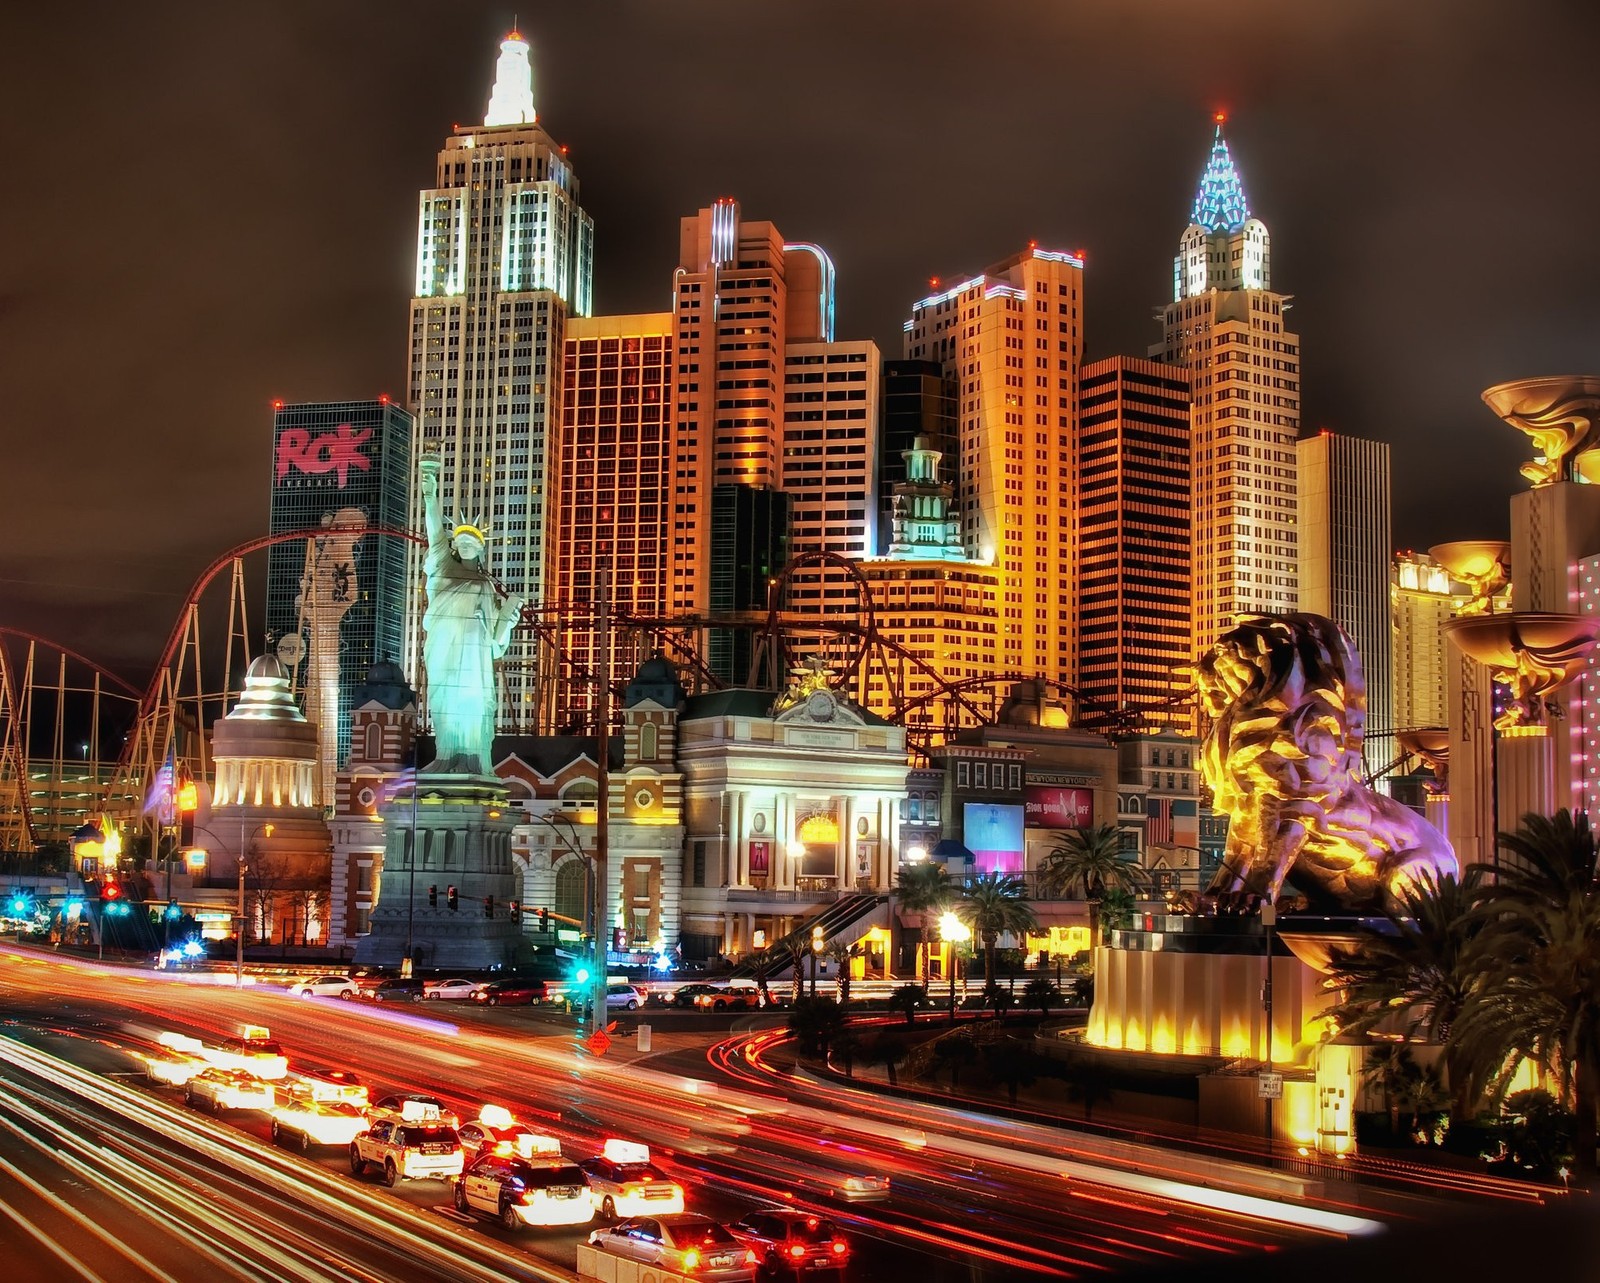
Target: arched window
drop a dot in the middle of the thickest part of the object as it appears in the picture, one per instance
(372, 750)
(570, 886)
(647, 742)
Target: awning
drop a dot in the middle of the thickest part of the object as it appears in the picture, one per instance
(950, 849)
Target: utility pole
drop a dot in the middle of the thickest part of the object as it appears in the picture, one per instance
(602, 711)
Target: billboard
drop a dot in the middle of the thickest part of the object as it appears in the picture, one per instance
(1048, 806)
(993, 833)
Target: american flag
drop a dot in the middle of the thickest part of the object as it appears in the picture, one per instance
(1158, 813)
(159, 798)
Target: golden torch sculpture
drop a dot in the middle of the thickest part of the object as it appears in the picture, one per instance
(1561, 415)
(1533, 652)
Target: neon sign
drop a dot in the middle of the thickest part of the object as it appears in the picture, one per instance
(337, 451)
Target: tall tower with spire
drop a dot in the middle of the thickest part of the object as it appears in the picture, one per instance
(504, 257)
(1226, 326)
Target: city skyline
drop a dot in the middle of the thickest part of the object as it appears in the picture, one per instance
(285, 296)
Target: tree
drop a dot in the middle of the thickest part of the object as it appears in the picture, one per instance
(906, 999)
(924, 889)
(1088, 1084)
(955, 1052)
(1116, 909)
(1539, 960)
(1089, 862)
(1002, 1000)
(814, 1023)
(992, 904)
(842, 954)
(1011, 1063)
(1043, 993)
(1390, 1068)
(1415, 967)
(886, 1049)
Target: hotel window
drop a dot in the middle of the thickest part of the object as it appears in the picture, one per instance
(1015, 777)
(980, 775)
(963, 779)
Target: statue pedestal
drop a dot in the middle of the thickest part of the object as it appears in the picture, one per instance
(454, 831)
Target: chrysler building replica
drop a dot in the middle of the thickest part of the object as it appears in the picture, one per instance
(504, 257)
(1225, 325)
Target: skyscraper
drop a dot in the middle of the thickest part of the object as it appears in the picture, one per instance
(337, 602)
(1132, 589)
(1423, 599)
(744, 302)
(504, 257)
(1344, 563)
(1012, 339)
(611, 482)
(1225, 326)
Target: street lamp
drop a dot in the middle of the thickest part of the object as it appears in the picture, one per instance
(566, 831)
(818, 943)
(244, 845)
(952, 930)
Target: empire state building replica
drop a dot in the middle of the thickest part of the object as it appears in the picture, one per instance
(504, 257)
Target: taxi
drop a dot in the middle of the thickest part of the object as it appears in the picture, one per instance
(539, 1192)
(316, 1113)
(496, 1131)
(219, 1089)
(252, 1052)
(413, 1108)
(410, 1147)
(176, 1060)
(623, 1182)
(340, 1084)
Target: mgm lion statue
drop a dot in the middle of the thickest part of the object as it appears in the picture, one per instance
(1288, 709)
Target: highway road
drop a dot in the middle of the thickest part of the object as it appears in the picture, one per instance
(971, 1199)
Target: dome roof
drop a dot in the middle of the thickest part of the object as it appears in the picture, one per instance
(266, 697)
(386, 685)
(657, 681)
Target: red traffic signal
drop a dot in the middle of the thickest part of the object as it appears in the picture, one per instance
(110, 891)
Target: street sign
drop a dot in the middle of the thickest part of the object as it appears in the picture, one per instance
(599, 1042)
(1269, 1086)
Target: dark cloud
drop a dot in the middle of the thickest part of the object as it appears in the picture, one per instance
(214, 205)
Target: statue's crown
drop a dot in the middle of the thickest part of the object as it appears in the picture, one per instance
(476, 527)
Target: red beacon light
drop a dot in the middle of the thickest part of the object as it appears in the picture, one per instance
(1221, 117)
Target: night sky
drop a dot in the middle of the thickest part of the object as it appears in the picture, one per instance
(213, 205)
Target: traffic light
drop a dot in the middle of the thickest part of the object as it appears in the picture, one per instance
(19, 905)
(173, 911)
(433, 897)
(515, 910)
(450, 898)
(544, 919)
(488, 906)
(110, 891)
(817, 940)
(616, 939)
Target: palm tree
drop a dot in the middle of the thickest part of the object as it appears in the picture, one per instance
(1539, 955)
(1043, 993)
(842, 952)
(1391, 1068)
(924, 889)
(1089, 862)
(907, 999)
(992, 904)
(1415, 966)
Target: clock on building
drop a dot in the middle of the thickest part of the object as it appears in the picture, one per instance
(820, 706)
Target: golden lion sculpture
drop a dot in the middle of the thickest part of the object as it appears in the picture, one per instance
(1288, 709)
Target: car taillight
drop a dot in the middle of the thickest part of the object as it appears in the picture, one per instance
(691, 1259)
(797, 1250)
(838, 1248)
(750, 1257)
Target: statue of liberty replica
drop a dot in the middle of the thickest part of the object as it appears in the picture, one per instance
(449, 879)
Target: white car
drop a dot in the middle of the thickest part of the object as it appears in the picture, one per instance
(539, 1191)
(623, 1182)
(219, 1089)
(326, 987)
(311, 1113)
(623, 997)
(253, 1052)
(178, 1060)
(452, 989)
(408, 1151)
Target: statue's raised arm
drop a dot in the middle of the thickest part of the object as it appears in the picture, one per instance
(428, 467)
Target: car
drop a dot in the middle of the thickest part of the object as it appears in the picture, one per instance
(680, 1243)
(339, 1084)
(685, 995)
(511, 992)
(453, 989)
(521, 1191)
(411, 1107)
(326, 987)
(253, 1052)
(624, 1182)
(623, 997)
(315, 1113)
(175, 1059)
(792, 1243)
(495, 1131)
(730, 995)
(219, 1089)
(408, 1151)
(398, 990)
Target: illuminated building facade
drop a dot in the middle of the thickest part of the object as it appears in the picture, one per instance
(830, 446)
(1422, 599)
(1225, 325)
(1011, 338)
(927, 597)
(1132, 588)
(1345, 550)
(611, 478)
(919, 400)
(337, 603)
(504, 257)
